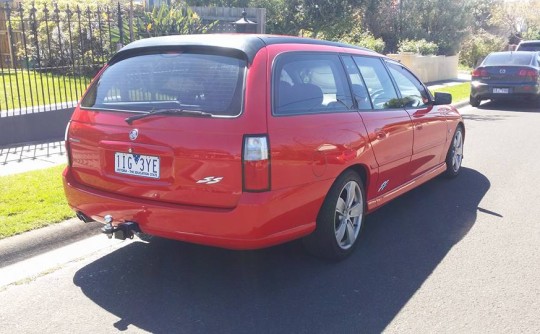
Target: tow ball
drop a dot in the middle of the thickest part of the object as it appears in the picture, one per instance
(122, 231)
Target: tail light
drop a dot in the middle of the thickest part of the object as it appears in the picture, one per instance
(256, 163)
(532, 74)
(66, 142)
(479, 73)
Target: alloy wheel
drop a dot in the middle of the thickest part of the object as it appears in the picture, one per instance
(457, 150)
(348, 216)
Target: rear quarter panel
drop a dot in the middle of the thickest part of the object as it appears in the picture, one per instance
(317, 147)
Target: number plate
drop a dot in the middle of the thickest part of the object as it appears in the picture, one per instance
(500, 91)
(136, 164)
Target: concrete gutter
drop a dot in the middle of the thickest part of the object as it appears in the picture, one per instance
(26, 245)
(461, 104)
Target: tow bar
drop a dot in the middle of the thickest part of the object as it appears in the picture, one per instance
(122, 231)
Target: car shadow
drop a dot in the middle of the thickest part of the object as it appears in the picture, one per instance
(167, 286)
(485, 117)
(512, 105)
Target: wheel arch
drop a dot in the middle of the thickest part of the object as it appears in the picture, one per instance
(461, 125)
(362, 171)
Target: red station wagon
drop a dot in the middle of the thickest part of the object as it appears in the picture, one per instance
(248, 141)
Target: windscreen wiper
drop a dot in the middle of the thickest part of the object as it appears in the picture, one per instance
(130, 119)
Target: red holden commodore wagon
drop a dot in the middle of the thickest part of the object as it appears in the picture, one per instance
(248, 141)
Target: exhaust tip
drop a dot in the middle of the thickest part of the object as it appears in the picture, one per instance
(84, 217)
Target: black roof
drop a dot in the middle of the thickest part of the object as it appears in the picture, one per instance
(239, 45)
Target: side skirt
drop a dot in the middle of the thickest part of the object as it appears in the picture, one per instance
(385, 198)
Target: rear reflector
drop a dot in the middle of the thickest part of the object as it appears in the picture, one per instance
(256, 163)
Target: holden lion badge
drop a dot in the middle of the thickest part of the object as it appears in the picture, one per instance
(133, 134)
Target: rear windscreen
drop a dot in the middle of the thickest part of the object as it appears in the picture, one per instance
(529, 47)
(508, 59)
(204, 82)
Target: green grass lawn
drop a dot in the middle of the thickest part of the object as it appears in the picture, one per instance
(28, 88)
(460, 92)
(31, 200)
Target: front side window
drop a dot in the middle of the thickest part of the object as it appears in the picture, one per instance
(202, 82)
(380, 87)
(310, 83)
(413, 93)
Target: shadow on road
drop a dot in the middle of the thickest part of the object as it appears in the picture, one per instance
(167, 286)
(485, 117)
(523, 105)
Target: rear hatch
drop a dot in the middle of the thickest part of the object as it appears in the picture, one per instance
(165, 127)
(507, 68)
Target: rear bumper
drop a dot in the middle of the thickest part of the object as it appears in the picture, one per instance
(485, 91)
(259, 220)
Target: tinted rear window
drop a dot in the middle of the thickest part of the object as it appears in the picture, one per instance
(508, 59)
(529, 47)
(209, 83)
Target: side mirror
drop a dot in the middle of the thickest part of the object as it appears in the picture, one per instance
(442, 98)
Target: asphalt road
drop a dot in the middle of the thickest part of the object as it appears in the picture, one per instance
(459, 256)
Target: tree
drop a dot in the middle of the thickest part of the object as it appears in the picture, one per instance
(382, 18)
(444, 22)
(483, 12)
(176, 19)
(278, 18)
(478, 45)
(518, 20)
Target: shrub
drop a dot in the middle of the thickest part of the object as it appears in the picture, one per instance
(175, 19)
(421, 46)
(477, 46)
(364, 39)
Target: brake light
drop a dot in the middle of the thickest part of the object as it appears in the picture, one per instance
(256, 163)
(66, 142)
(480, 73)
(528, 73)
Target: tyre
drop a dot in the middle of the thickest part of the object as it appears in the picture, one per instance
(474, 101)
(454, 157)
(340, 220)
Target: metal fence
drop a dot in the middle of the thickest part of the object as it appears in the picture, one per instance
(49, 55)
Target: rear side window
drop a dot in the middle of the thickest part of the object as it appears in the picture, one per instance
(204, 82)
(508, 58)
(310, 83)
